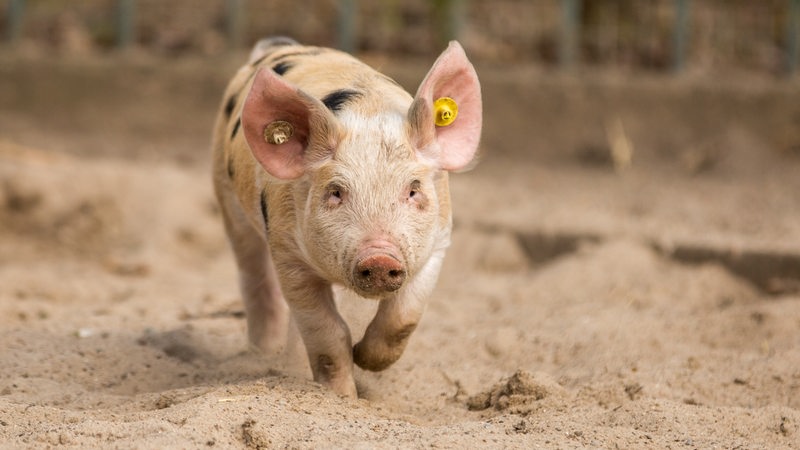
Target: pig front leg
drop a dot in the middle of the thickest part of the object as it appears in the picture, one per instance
(397, 317)
(324, 332)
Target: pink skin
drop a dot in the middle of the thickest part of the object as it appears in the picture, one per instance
(379, 268)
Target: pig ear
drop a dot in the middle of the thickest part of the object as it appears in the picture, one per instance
(274, 106)
(450, 143)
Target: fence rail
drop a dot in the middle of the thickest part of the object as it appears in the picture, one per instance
(656, 34)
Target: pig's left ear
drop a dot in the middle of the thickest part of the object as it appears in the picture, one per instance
(285, 128)
(446, 115)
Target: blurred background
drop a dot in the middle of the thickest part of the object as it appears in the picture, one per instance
(658, 35)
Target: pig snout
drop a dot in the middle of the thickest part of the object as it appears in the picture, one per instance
(378, 270)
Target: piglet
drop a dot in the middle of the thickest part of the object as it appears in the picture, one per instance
(327, 171)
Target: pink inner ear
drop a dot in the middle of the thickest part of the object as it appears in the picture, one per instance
(452, 76)
(270, 99)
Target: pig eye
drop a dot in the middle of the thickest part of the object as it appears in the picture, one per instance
(416, 197)
(334, 195)
(414, 189)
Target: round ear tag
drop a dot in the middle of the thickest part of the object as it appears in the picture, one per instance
(445, 111)
(278, 132)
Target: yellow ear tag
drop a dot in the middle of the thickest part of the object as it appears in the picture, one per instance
(445, 111)
(278, 132)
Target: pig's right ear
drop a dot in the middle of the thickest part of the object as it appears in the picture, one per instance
(446, 114)
(281, 123)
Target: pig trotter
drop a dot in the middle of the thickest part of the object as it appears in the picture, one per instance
(327, 372)
(397, 317)
(377, 350)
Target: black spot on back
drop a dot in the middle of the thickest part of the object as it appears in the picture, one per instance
(267, 46)
(231, 170)
(282, 67)
(304, 52)
(236, 127)
(264, 208)
(336, 99)
(229, 106)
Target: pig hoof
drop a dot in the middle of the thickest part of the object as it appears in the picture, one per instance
(331, 375)
(268, 348)
(268, 342)
(377, 353)
(367, 361)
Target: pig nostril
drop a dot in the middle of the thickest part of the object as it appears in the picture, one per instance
(378, 274)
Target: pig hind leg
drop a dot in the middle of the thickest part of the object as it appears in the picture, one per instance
(267, 312)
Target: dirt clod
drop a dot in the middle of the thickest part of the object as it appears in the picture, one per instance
(519, 389)
(254, 437)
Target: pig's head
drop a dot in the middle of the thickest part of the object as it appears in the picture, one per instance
(367, 176)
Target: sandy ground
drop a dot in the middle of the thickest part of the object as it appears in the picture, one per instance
(579, 306)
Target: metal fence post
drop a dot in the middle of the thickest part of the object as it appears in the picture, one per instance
(235, 22)
(346, 26)
(448, 19)
(568, 46)
(792, 36)
(680, 35)
(126, 17)
(16, 11)
(458, 13)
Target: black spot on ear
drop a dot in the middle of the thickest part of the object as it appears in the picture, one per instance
(336, 99)
(229, 106)
(264, 208)
(281, 68)
(236, 127)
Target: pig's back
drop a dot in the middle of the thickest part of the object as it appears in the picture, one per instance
(336, 78)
